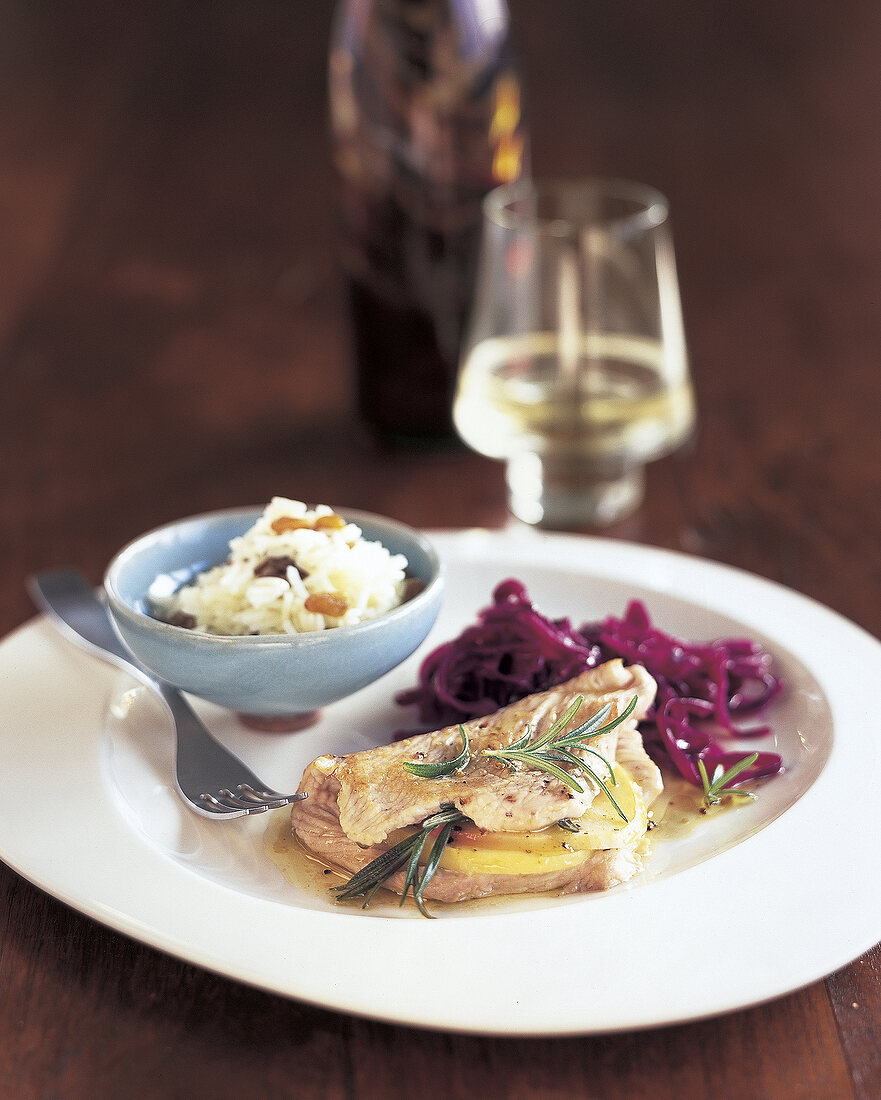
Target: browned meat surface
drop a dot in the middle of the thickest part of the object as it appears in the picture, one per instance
(317, 825)
(356, 801)
(378, 796)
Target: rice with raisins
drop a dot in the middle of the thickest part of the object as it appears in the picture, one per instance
(298, 569)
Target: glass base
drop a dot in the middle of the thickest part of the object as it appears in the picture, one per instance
(568, 494)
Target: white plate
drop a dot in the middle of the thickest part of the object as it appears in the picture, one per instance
(756, 903)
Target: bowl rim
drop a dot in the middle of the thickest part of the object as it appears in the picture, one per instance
(192, 638)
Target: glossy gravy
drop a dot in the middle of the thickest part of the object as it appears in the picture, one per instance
(305, 871)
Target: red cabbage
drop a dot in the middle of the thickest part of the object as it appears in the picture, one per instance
(699, 685)
(513, 650)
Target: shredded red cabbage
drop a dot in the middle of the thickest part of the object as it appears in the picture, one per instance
(513, 650)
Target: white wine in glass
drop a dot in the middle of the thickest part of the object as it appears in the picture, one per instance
(575, 371)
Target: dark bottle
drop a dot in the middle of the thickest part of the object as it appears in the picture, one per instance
(426, 113)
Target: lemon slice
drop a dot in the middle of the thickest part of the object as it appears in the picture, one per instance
(473, 851)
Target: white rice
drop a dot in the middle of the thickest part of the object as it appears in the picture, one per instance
(330, 564)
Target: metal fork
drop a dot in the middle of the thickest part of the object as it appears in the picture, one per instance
(210, 779)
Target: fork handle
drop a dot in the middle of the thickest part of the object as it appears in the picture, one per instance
(76, 610)
(82, 617)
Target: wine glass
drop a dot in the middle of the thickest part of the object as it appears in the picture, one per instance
(574, 369)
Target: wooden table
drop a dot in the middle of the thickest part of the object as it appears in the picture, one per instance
(172, 341)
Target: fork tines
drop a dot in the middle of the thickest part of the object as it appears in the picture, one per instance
(246, 798)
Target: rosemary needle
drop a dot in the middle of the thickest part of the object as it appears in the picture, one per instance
(406, 853)
(717, 787)
(554, 747)
(444, 767)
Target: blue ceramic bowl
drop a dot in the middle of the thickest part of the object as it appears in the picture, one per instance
(265, 676)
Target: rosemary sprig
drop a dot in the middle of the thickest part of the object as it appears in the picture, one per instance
(715, 788)
(444, 767)
(407, 852)
(555, 747)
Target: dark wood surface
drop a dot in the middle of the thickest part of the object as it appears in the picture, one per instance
(171, 341)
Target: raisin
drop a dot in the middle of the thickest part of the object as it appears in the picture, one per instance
(276, 567)
(412, 587)
(326, 603)
(183, 619)
(289, 523)
(331, 522)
